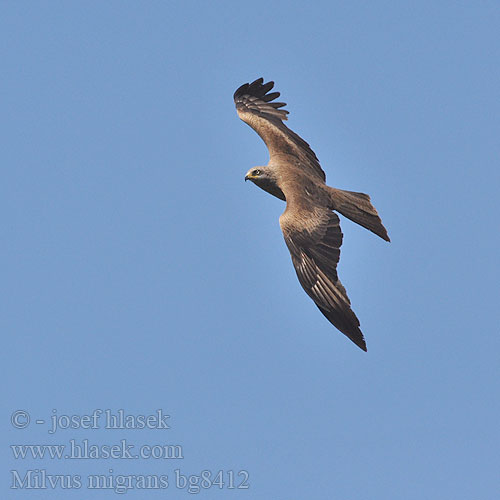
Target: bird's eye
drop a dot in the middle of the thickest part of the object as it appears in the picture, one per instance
(257, 172)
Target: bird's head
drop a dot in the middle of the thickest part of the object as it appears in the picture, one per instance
(265, 178)
(256, 174)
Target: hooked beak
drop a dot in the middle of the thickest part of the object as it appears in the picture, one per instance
(250, 176)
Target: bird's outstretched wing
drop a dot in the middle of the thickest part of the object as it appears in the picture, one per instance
(255, 107)
(314, 239)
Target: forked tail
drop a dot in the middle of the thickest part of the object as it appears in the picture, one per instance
(358, 208)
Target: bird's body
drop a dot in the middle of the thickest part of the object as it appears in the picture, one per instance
(310, 227)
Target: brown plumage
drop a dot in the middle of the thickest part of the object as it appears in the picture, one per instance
(310, 227)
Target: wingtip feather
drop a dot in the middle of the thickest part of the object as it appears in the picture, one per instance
(256, 98)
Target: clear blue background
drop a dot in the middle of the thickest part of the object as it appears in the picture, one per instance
(140, 272)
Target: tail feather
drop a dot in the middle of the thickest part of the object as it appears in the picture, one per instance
(358, 208)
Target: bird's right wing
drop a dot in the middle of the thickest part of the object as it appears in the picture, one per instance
(314, 239)
(255, 107)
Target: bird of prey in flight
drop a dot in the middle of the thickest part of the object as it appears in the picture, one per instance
(310, 226)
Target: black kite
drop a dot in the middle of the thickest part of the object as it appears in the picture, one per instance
(310, 227)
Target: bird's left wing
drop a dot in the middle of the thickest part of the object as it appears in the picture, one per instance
(313, 238)
(255, 107)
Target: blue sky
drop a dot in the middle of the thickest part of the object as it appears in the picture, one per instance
(141, 273)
